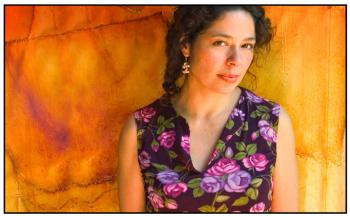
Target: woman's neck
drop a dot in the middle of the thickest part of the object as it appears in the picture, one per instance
(197, 105)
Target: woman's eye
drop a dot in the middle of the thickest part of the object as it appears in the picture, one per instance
(249, 46)
(219, 43)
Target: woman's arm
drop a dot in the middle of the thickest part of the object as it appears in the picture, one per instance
(285, 195)
(130, 183)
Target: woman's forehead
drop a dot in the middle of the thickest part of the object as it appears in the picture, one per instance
(233, 24)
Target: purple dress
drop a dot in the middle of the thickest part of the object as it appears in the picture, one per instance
(238, 177)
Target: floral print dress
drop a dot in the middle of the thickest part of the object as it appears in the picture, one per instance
(238, 177)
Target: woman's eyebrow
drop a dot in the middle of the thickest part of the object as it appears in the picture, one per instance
(229, 37)
(250, 39)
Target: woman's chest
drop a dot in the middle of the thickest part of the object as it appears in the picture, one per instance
(202, 141)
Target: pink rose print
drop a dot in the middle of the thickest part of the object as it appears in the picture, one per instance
(150, 189)
(145, 160)
(167, 139)
(259, 207)
(228, 137)
(213, 155)
(155, 199)
(185, 143)
(253, 136)
(258, 161)
(222, 167)
(171, 204)
(155, 147)
(145, 114)
(174, 189)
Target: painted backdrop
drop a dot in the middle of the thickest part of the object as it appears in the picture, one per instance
(74, 73)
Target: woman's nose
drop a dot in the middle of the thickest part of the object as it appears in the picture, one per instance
(233, 57)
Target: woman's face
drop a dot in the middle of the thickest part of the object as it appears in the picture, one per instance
(222, 54)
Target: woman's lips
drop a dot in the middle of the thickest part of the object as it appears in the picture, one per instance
(229, 77)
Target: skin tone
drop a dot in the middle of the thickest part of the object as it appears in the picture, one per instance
(225, 48)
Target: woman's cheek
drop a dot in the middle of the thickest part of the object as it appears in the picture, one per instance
(250, 57)
(205, 61)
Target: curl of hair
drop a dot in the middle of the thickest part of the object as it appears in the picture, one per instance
(189, 21)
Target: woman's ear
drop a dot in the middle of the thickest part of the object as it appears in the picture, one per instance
(185, 47)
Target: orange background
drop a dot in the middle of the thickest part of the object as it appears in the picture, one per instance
(73, 74)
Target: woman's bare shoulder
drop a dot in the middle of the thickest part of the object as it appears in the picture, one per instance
(129, 124)
(285, 134)
(285, 124)
(284, 116)
(128, 137)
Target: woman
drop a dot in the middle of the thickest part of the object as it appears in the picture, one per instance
(209, 145)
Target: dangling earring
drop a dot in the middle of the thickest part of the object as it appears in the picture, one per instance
(186, 66)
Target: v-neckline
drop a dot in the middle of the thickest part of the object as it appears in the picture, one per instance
(188, 133)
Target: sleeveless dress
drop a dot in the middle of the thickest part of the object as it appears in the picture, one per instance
(238, 177)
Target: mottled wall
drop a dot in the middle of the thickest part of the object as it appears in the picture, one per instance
(73, 74)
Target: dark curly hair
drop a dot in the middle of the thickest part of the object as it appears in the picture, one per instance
(189, 21)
